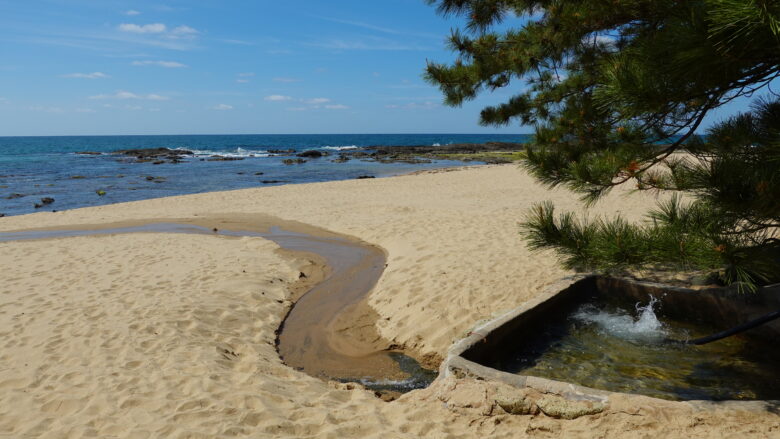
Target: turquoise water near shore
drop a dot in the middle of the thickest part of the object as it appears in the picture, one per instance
(32, 168)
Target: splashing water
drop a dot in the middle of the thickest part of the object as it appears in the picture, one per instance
(614, 345)
(644, 327)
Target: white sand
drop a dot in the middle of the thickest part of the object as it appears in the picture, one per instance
(166, 336)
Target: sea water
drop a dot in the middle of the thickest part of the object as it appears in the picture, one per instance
(38, 167)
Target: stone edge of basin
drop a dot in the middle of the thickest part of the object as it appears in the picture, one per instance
(457, 365)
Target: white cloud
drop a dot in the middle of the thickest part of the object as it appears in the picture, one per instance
(154, 28)
(93, 75)
(166, 64)
(277, 98)
(132, 12)
(154, 97)
(222, 107)
(184, 30)
(128, 95)
(287, 80)
(316, 101)
(242, 81)
(336, 107)
(182, 33)
(134, 107)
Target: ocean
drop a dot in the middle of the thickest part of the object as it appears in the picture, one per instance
(36, 168)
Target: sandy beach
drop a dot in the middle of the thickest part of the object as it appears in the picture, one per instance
(173, 336)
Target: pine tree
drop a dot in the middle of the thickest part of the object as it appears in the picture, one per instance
(616, 91)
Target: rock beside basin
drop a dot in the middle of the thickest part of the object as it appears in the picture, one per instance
(491, 398)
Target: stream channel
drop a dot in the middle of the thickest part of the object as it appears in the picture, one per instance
(307, 339)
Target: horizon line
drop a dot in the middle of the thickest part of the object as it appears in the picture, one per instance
(271, 134)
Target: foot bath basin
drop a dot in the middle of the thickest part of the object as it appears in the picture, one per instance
(589, 337)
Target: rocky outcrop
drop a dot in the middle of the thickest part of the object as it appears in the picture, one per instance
(314, 154)
(220, 158)
(558, 407)
(492, 398)
(156, 155)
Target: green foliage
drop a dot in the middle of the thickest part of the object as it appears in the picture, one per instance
(616, 90)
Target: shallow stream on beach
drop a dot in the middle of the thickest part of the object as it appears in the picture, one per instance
(307, 340)
(624, 347)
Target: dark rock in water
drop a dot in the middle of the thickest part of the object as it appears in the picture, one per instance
(89, 153)
(157, 155)
(361, 177)
(155, 179)
(158, 162)
(219, 158)
(153, 152)
(240, 173)
(484, 152)
(271, 181)
(2, 215)
(259, 173)
(281, 151)
(44, 201)
(341, 159)
(293, 161)
(100, 192)
(314, 154)
(14, 196)
(77, 177)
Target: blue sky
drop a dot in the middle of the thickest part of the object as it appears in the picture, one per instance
(77, 67)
